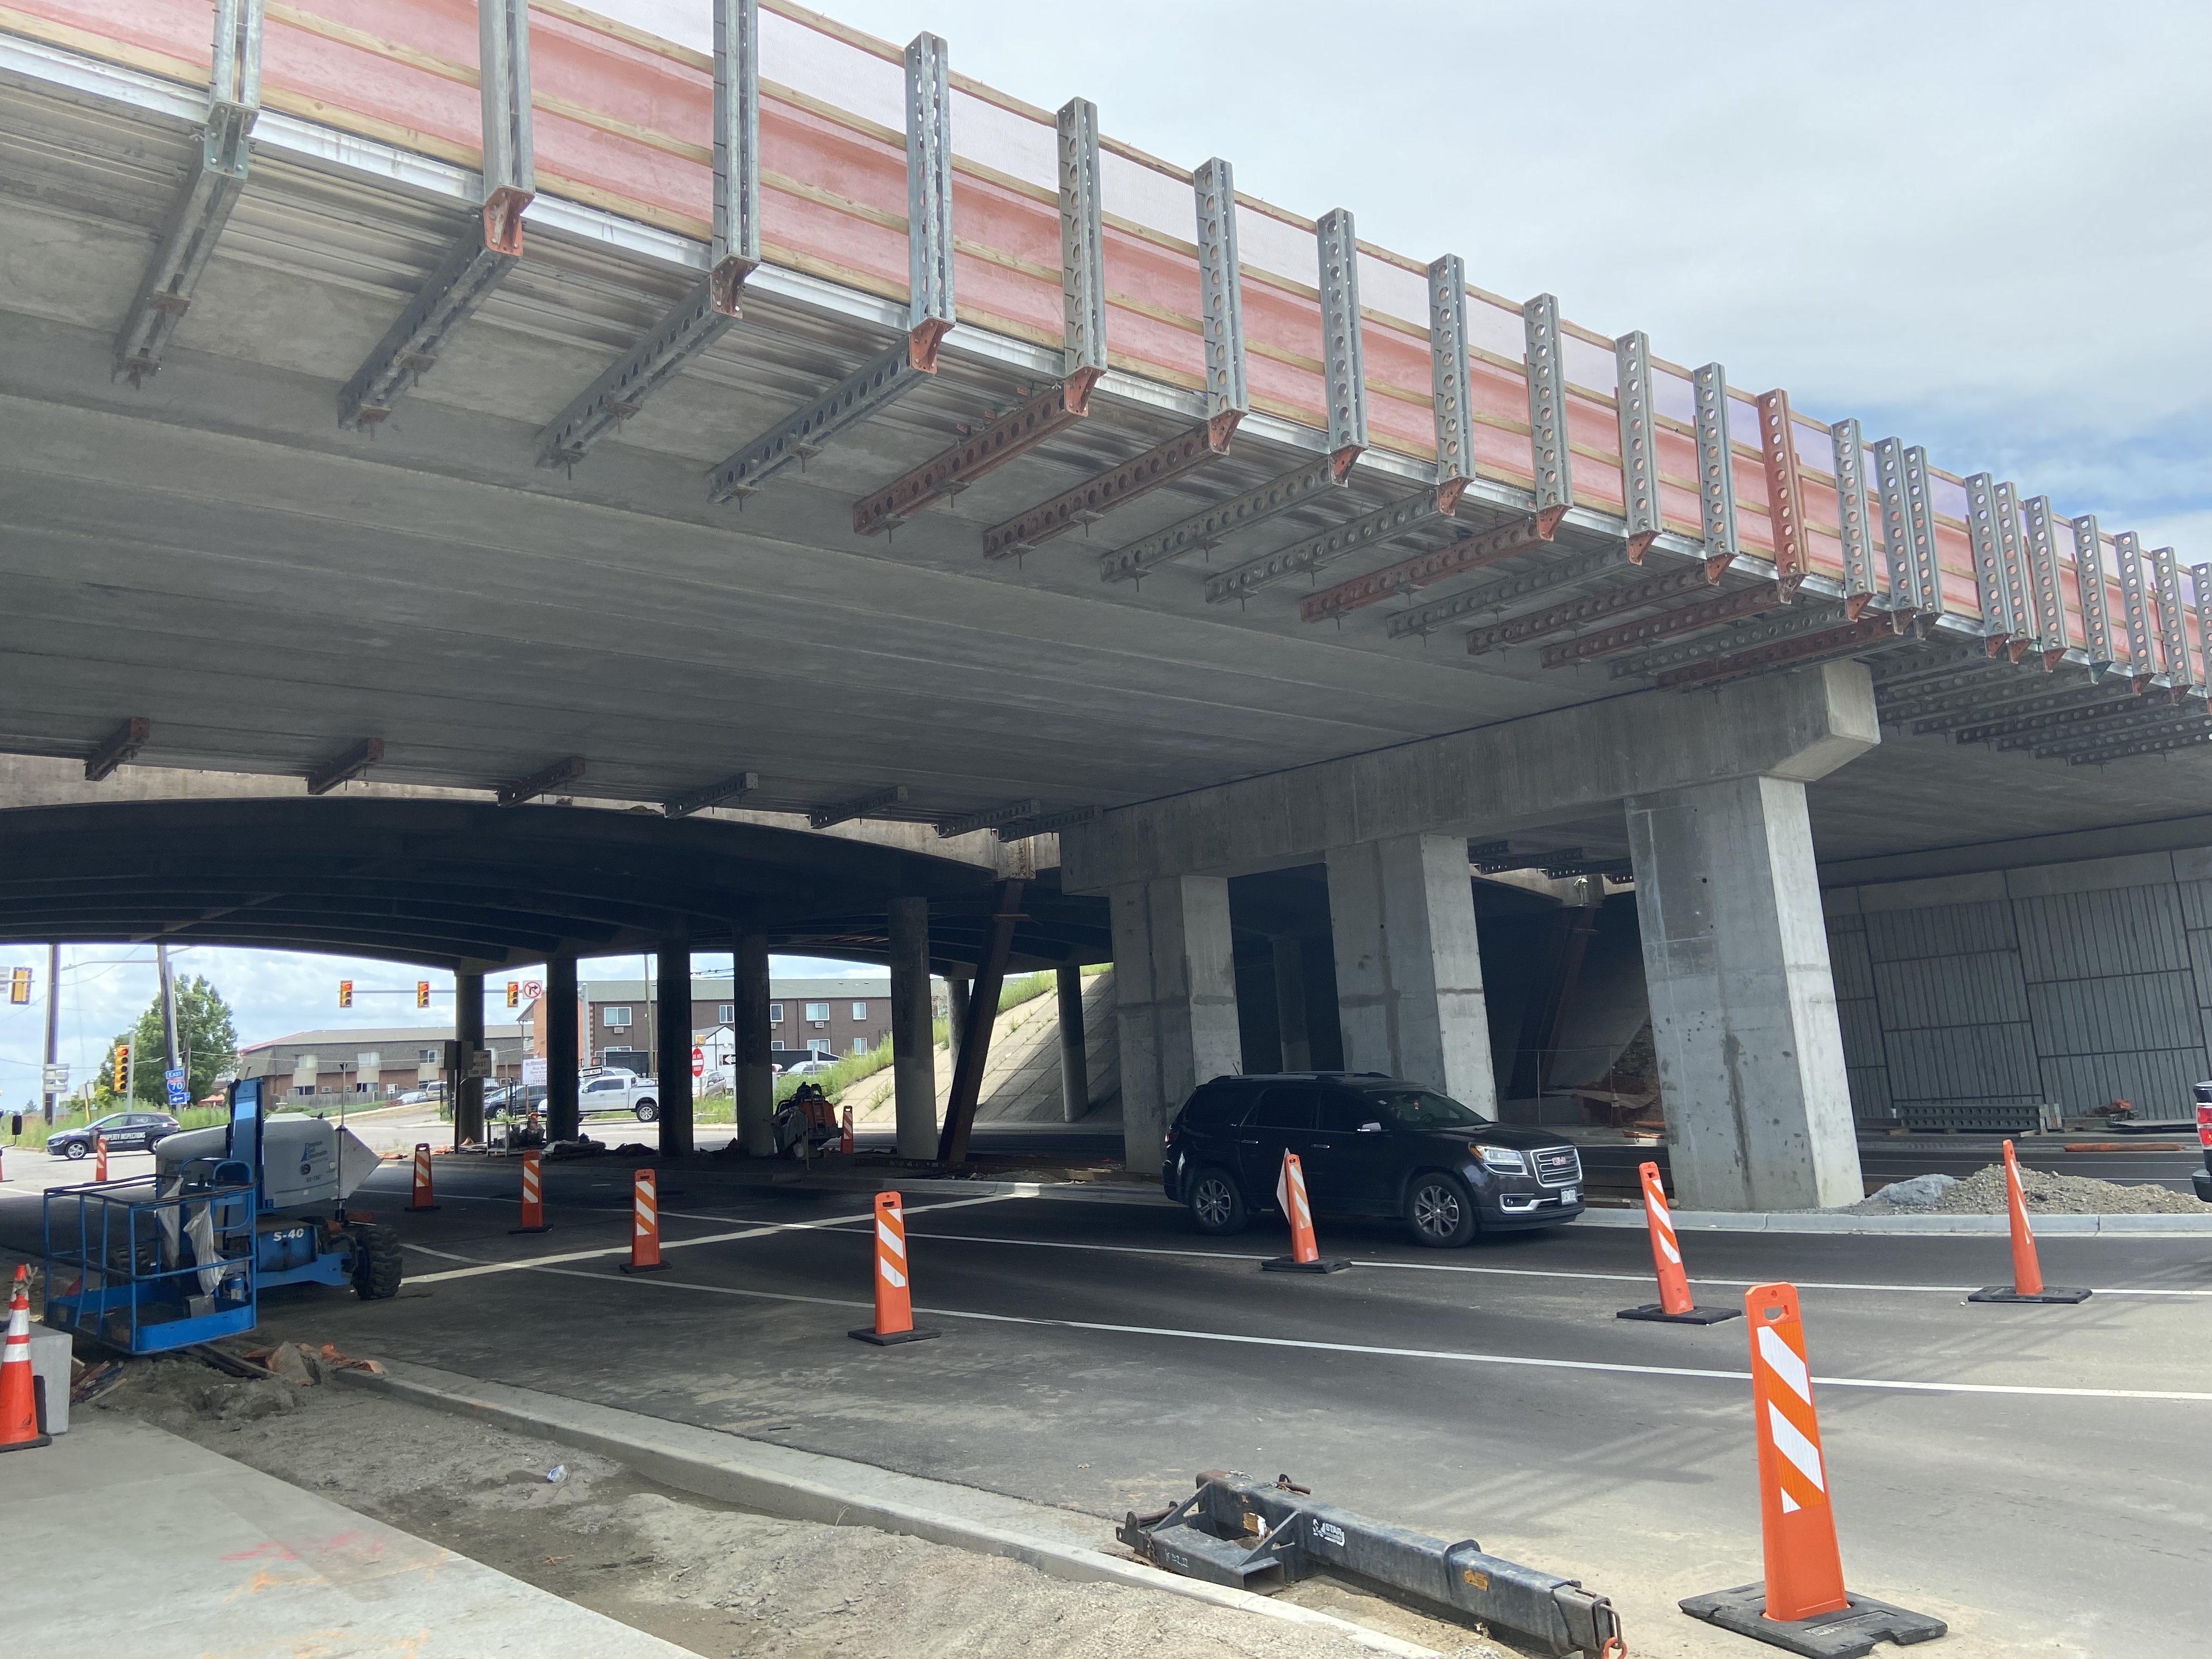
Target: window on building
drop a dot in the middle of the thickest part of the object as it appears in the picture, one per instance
(859, 1011)
(818, 1012)
(860, 1044)
(775, 1014)
(728, 1013)
(818, 1045)
(618, 1016)
(427, 1056)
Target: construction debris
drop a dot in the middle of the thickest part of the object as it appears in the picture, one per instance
(1983, 1193)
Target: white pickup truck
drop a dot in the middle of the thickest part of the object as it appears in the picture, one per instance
(602, 1092)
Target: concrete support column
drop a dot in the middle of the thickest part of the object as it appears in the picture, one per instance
(673, 1060)
(1175, 999)
(755, 1078)
(914, 1048)
(562, 1034)
(956, 1009)
(468, 1028)
(1074, 1058)
(1408, 970)
(1290, 1003)
(1743, 1011)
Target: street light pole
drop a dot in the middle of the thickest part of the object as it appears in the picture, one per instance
(53, 1023)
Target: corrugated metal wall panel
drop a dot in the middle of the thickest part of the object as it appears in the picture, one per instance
(1861, 1022)
(1974, 1062)
(2126, 1014)
(1940, 930)
(1869, 1093)
(2157, 1084)
(2196, 904)
(1984, 989)
(2200, 958)
(2120, 930)
(1847, 959)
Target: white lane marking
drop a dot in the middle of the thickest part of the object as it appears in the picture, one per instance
(477, 1267)
(1454, 1355)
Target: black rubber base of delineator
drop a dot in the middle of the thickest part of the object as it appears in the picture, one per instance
(1290, 1264)
(418, 1209)
(1845, 1634)
(891, 1339)
(648, 1267)
(1659, 1315)
(529, 1229)
(2066, 1293)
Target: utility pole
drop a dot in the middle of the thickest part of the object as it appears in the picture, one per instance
(168, 1009)
(53, 1020)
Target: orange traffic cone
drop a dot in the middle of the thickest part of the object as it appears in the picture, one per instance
(422, 1195)
(1804, 1572)
(894, 1305)
(845, 1136)
(2027, 1283)
(1305, 1255)
(1674, 1306)
(22, 1415)
(645, 1229)
(533, 1200)
(99, 1158)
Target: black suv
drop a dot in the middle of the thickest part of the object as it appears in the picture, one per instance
(1368, 1145)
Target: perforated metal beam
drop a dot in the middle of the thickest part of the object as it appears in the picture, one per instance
(202, 208)
(1202, 532)
(1591, 608)
(2089, 583)
(2164, 721)
(2029, 731)
(1093, 499)
(1854, 517)
(1703, 613)
(1785, 490)
(1493, 598)
(1544, 365)
(2011, 571)
(1814, 644)
(353, 763)
(860, 806)
(2135, 608)
(989, 818)
(1938, 716)
(1990, 565)
(1450, 388)
(1315, 553)
(1046, 824)
(2045, 594)
(117, 747)
(1908, 528)
(736, 785)
(1471, 551)
(1639, 467)
(2163, 744)
(884, 379)
(483, 256)
(2200, 579)
(2173, 627)
(1082, 240)
(542, 781)
(1014, 434)
(703, 315)
(1716, 464)
(1220, 289)
(1344, 360)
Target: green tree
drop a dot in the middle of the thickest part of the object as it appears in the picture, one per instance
(208, 1040)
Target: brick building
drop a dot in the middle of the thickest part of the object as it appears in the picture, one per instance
(374, 1060)
(835, 1017)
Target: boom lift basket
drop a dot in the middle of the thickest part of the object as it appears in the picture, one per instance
(1257, 1535)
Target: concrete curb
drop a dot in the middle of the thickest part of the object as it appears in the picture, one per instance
(801, 1486)
(1953, 1226)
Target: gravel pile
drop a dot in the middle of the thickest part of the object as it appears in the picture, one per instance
(1983, 1193)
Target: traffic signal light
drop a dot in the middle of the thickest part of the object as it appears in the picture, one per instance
(514, 993)
(19, 985)
(122, 1067)
(345, 994)
(422, 993)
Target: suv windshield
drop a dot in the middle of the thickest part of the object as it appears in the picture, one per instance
(1424, 1109)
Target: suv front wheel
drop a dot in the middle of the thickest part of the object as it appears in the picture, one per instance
(1215, 1204)
(1440, 1210)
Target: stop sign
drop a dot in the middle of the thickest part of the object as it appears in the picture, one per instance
(698, 1062)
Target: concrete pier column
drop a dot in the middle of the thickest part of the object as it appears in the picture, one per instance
(1743, 1011)
(914, 1048)
(1074, 1058)
(1290, 963)
(755, 1078)
(673, 1027)
(468, 1030)
(1174, 1000)
(1408, 969)
(562, 1034)
(956, 1009)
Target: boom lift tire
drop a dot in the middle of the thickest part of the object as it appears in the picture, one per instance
(376, 1263)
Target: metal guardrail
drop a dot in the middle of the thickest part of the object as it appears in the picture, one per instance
(154, 1270)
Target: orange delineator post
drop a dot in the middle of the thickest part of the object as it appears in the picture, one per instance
(1674, 1306)
(645, 1228)
(2027, 1283)
(894, 1299)
(1797, 1524)
(845, 1136)
(19, 1427)
(533, 1197)
(99, 1158)
(1305, 1256)
(424, 1197)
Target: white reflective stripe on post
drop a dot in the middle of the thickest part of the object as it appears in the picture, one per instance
(892, 1276)
(890, 1240)
(1791, 1443)
(1783, 1360)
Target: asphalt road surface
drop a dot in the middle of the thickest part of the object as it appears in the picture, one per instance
(2035, 1474)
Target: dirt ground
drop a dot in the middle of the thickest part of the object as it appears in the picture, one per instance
(1983, 1193)
(719, 1581)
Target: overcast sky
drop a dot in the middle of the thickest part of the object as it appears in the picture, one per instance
(1985, 229)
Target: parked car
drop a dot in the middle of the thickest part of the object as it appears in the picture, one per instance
(126, 1131)
(618, 1091)
(806, 1067)
(1368, 1145)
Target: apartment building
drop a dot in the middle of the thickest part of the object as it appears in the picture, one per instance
(620, 1023)
(375, 1061)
